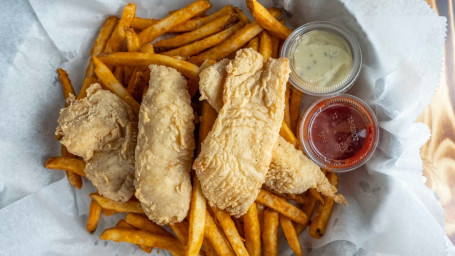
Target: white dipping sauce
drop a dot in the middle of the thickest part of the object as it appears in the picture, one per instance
(322, 58)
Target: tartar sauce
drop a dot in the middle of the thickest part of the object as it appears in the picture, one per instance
(322, 58)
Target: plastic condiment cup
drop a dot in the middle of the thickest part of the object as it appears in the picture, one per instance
(339, 133)
(293, 40)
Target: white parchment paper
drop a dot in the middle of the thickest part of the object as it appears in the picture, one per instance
(390, 212)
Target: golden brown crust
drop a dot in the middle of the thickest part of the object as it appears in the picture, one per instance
(165, 147)
(237, 152)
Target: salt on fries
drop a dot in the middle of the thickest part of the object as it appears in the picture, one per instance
(203, 41)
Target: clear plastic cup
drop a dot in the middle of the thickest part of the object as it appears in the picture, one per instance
(339, 133)
(298, 83)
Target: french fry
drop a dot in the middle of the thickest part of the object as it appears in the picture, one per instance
(270, 23)
(129, 206)
(197, 219)
(108, 212)
(282, 206)
(252, 231)
(265, 45)
(215, 237)
(290, 234)
(208, 119)
(231, 232)
(287, 134)
(270, 233)
(124, 224)
(308, 208)
(200, 15)
(316, 195)
(109, 81)
(142, 237)
(67, 89)
(238, 222)
(66, 83)
(70, 164)
(115, 42)
(324, 211)
(145, 59)
(276, 44)
(142, 23)
(294, 108)
(143, 223)
(98, 47)
(93, 216)
(119, 73)
(242, 16)
(201, 21)
(208, 29)
(164, 25)
(139, 79)
(261, 210)
(181, 231)
(132, 45)
(132, 41)
(136, 85)
(230, 45)
(275, 47)
(201, 45)
(147, 48)
(208, 248)
(298, 198)
(253, 43)
(74, 179)
(287, 115)
(207, 63)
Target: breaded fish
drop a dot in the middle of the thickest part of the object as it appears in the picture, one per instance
(290, 171)
(293, 173)
(237, 152)
(165, 147)
(101, 128)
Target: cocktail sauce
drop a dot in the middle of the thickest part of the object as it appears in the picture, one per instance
(339, 133)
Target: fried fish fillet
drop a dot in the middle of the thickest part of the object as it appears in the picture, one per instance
(290, 171)
(165, 147)
(237, 152)
(101, 128)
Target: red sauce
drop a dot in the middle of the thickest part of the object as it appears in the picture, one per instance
(339, 133)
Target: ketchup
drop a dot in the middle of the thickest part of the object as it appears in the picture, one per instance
(339, 133)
